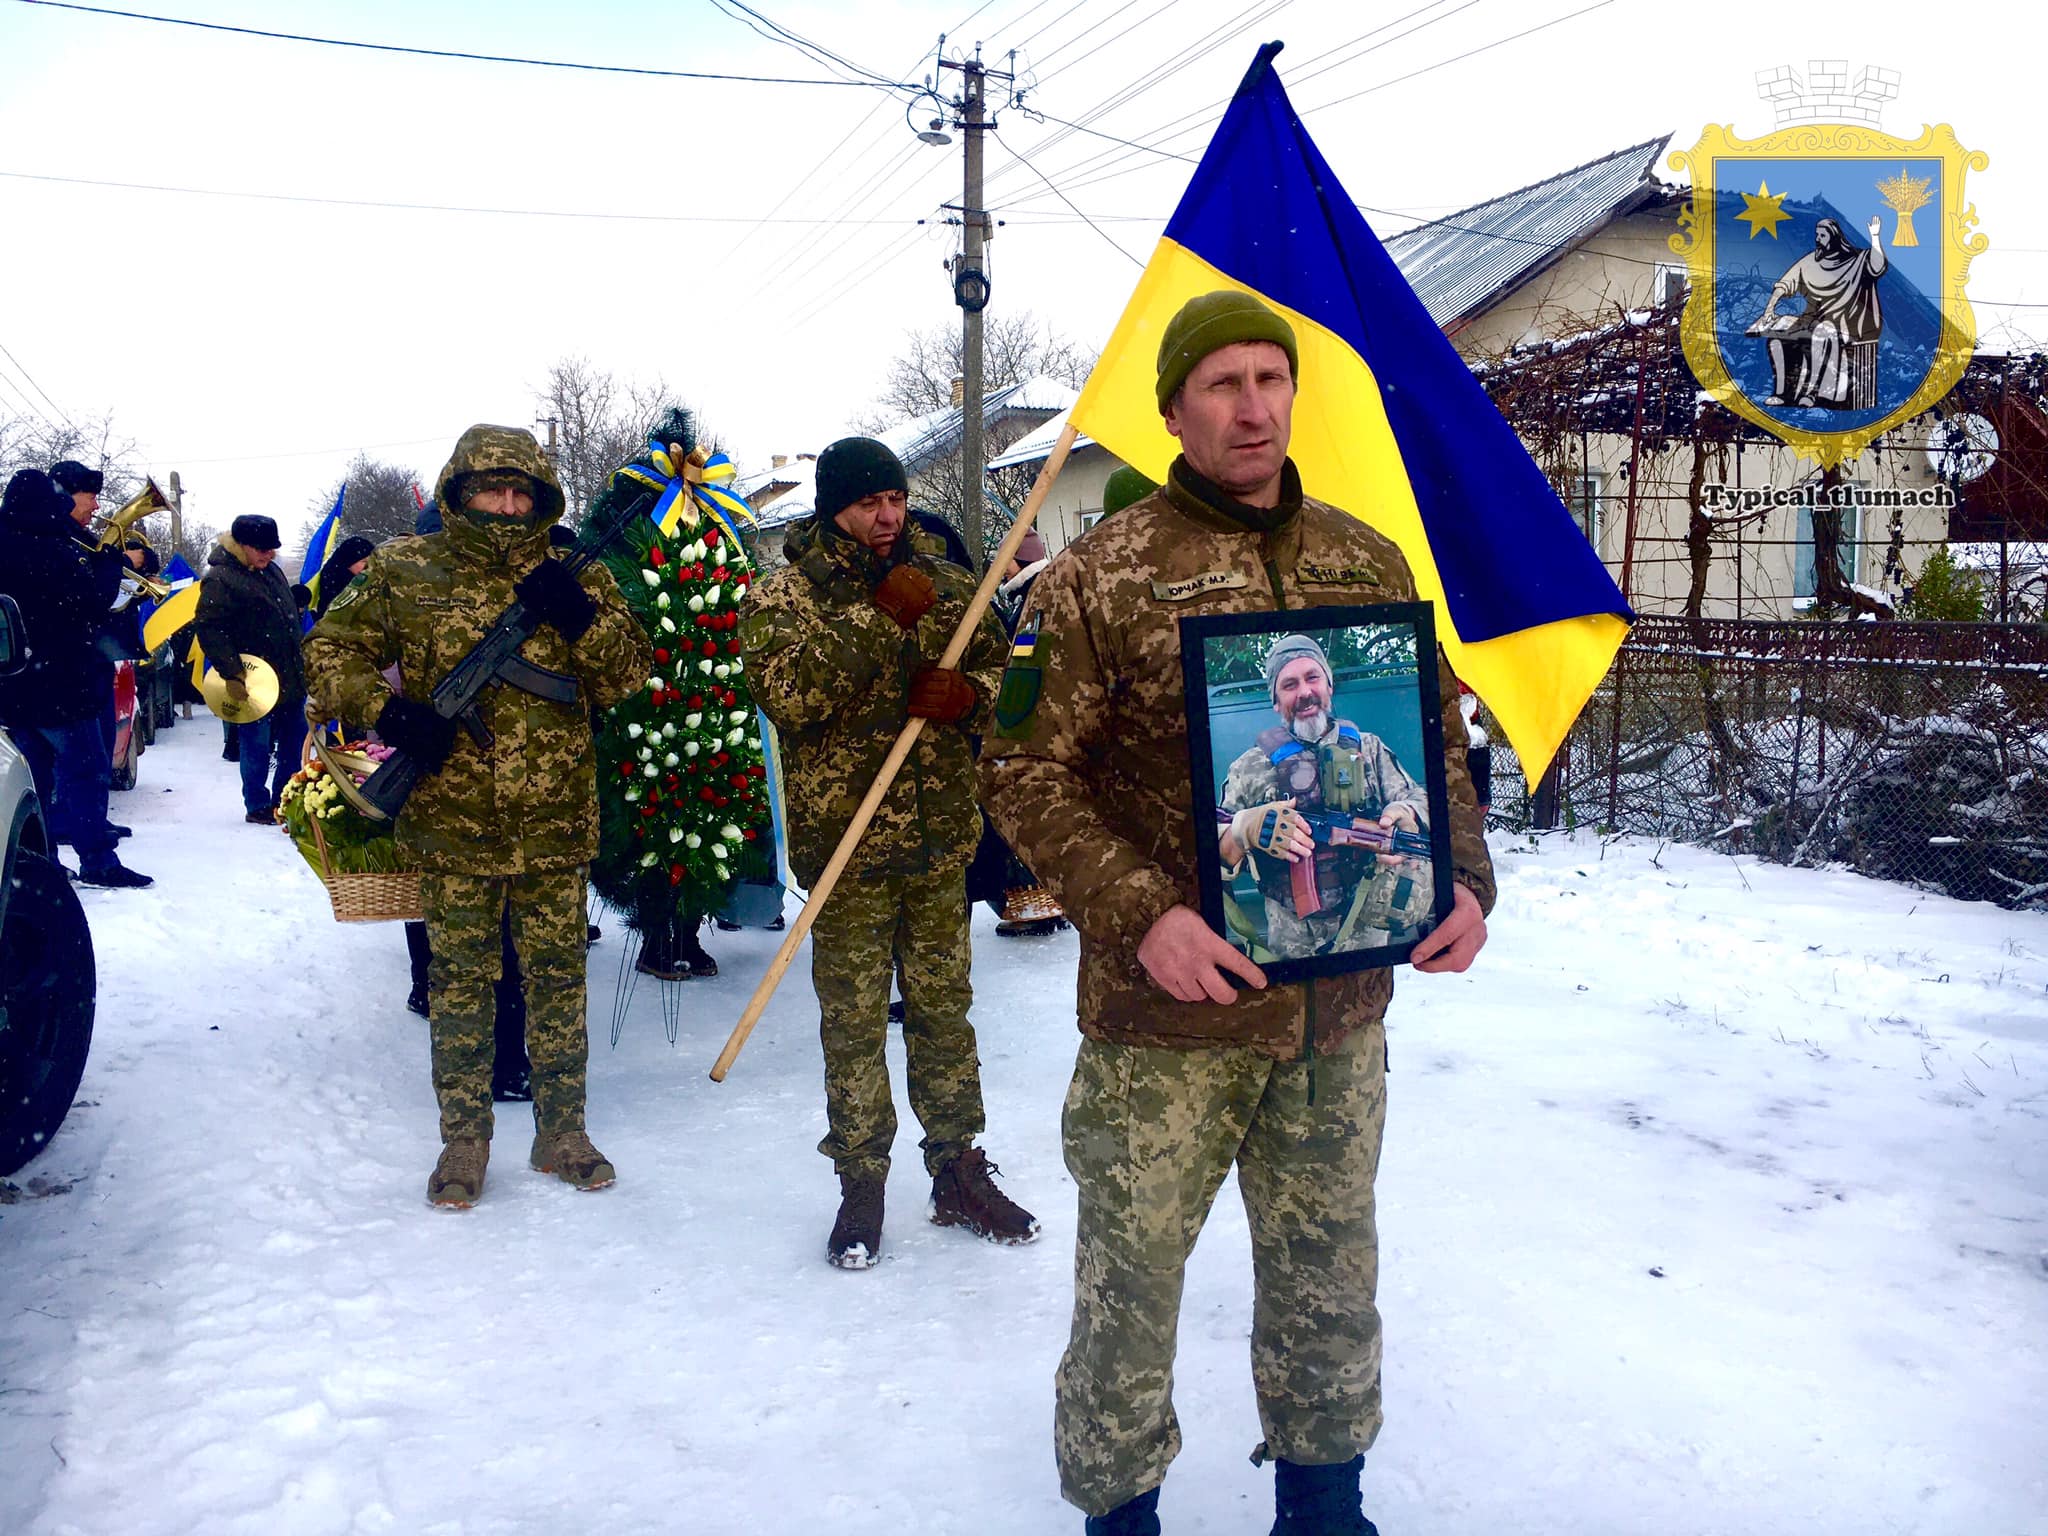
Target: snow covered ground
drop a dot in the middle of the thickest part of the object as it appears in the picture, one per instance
(1715, 1200)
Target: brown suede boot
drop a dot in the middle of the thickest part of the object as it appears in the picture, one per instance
(856, 1240)
(964, 1194)
(457, 1181)
(570, 1157)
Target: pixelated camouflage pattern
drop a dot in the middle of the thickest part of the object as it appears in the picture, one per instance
(465, 915)
(914, 927)
(1092, 788)
(1398, 893)
(832, 671)
(530, 800)
(1149, 1135)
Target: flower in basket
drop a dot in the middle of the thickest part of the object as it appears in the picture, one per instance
(355, 843)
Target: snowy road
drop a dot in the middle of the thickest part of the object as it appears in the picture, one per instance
(1714, 1200)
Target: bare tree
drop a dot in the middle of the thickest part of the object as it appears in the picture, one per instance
(379, 501)
(37, 442)
(919, 379)
(601, 421)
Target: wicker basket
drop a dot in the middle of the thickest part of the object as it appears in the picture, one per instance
(365, 896)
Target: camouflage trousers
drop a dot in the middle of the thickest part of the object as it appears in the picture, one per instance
(916, 928)
(465, 925)
(1150, 1134)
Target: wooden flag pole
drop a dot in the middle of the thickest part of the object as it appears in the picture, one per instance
(984, 595)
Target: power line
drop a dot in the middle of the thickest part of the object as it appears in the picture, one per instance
(455, 53)
(1469, 53)
(817, 53)
(1070, 203)
(365, 202)
(37, 387)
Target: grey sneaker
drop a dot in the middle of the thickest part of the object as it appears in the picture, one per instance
(570, 1157)
(457, 1181)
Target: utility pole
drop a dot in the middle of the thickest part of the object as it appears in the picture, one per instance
(971, 293)
(176, 497)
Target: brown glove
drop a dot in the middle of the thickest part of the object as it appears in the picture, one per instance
(906, 594)
(238, 690)
(942, 695)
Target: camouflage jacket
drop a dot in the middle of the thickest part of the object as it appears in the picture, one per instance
(1089, 776)
(832, 671)
(529, 801)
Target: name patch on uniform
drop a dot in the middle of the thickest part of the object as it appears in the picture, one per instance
(1337, 575)
(1195, 586)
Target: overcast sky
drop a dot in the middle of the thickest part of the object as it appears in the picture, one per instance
(256, 344)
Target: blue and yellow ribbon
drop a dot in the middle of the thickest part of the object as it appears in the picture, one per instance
(686, 484)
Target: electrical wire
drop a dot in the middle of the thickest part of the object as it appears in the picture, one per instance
(1135, 261)
(1201, 118)
(365, 202)
(816, 52)
(53, 405)
(454, 53)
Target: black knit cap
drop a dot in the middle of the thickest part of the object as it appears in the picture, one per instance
(855, 467)
(71, 477)
(252, 530)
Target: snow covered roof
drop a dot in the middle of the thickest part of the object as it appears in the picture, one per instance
(922, 439)
(1458, 263)
(795, 471)
(1037, 444)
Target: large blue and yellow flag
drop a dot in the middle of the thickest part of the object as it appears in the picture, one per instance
(318, 548)
(1389, 423)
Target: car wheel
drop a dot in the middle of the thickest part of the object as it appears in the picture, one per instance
(130, 760)
(46, 1007)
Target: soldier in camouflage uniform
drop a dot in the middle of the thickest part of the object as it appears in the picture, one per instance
(509, 827)
(1315, 762)
(1181, 1075)
(841, 645)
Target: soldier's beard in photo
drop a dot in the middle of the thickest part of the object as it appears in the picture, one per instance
(1310, 722)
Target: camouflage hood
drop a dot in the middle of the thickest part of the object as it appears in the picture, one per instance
(485, 447)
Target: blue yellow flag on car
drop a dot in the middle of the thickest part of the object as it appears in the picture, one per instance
(318, 548)
(1389, 423)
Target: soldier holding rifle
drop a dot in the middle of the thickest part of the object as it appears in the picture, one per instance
(504, 818)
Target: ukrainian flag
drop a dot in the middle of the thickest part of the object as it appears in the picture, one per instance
(1390, 424)
(325, 537)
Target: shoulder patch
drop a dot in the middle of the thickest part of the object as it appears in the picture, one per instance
(1017, 698)
(1195, 586)
(350, 594)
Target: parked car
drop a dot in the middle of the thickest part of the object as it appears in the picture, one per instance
(131, 730)
(47, 978)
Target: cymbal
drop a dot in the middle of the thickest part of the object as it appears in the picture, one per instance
(262, 681)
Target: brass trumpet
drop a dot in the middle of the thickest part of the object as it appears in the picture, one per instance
(118, 527)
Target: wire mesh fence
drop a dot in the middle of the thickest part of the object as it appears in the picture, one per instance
(1908, 752)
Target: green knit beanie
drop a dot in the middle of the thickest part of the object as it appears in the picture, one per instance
(1124, 486)
(1212, 320)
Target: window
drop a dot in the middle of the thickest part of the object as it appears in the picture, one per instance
(1804, 584)
(1589, 505)
(1671, 285)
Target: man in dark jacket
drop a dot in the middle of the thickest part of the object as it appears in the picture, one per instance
(63, 587)
(246, 605)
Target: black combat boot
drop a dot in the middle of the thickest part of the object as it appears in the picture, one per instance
(856, 1240)
(1133, 1517)
(1319, 1501)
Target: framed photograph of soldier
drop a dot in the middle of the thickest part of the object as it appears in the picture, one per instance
(1321, 816)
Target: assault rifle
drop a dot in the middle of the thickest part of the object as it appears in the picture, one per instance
(496, 659)
(1330, 830)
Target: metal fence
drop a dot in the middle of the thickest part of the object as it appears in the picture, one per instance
(1909, 752)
